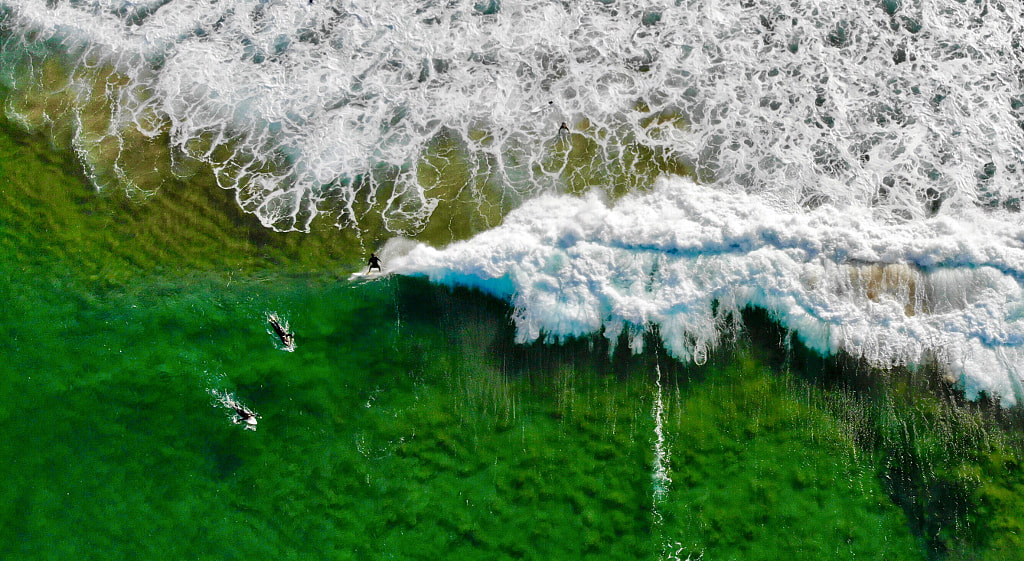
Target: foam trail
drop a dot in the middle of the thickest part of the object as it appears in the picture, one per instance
(659, 469)
(688, 258)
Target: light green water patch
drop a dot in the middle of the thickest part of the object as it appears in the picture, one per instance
(84, 109)
(451, 191)
(472, 197)
(50, 215)
(459, 176)
(659, 122)
(76, 107)
(617, 162)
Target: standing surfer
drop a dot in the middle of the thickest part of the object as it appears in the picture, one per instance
(374, 263)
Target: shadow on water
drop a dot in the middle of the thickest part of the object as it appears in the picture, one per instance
(471, 318)
(950, 463)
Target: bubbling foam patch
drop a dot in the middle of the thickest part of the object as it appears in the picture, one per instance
(911, 108)
(688, 259)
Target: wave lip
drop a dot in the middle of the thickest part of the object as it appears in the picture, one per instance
(687, 259)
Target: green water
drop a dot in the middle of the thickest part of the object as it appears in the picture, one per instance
(407, 425)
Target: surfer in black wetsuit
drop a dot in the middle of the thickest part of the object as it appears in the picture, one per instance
(374, 263)
(564, 127)
(281, 330)
(244, 415)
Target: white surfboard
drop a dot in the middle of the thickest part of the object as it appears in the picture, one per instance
(364, 276)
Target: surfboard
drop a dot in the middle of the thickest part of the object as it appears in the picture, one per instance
(364, 276)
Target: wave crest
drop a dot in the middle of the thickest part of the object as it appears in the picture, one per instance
(688, 259)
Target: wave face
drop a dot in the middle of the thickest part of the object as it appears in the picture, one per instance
(688, 259)
(854, 167)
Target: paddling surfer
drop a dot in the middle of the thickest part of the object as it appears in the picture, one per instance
(243, 415)
(281, 330)
(564, 127)
(374, 263)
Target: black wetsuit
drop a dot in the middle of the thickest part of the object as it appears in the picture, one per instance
(283, 335)
(374, 263)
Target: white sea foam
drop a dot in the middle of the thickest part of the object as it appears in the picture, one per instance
(660, 479)
(904, 107)
(687, 259)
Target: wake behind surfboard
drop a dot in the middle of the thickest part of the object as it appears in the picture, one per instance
(282, 331)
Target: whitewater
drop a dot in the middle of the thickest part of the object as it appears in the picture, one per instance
(853, 168)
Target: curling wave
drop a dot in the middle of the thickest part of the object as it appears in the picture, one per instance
(688, 259)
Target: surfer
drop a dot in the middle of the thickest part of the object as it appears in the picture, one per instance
(243, 415)
(564, 127)
(281, 330)
(374, 263)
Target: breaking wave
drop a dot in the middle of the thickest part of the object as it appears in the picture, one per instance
(688, 259)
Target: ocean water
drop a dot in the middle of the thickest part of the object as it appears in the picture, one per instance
(666, 280)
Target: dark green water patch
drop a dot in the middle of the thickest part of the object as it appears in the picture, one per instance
(400, 427)
(951, 464)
